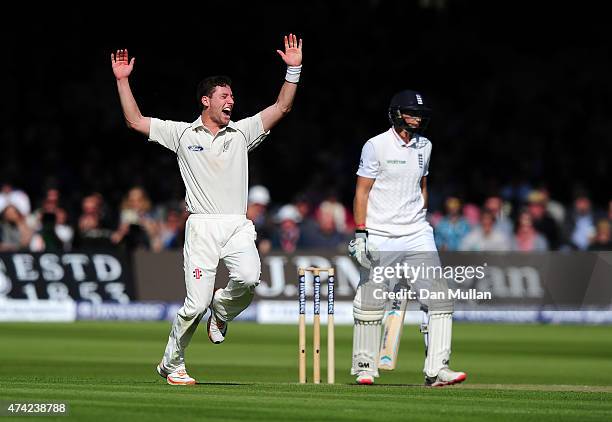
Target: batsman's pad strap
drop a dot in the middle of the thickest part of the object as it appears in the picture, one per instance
(368, 317)
(366, 305)
(424, 328)
(362, 322)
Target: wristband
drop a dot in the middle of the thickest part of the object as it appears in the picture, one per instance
(293, 74)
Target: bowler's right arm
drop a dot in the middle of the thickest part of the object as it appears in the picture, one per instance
(122, 68)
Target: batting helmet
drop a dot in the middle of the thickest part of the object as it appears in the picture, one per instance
(411, 103)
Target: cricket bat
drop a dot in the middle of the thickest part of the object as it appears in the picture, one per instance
(389, 346)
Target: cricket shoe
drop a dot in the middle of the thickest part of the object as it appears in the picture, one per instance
(162, 371)
(217, 329)
(364, 378)
(446, 376)
(178, 377)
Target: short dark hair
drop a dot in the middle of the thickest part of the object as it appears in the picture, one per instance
(207, 86)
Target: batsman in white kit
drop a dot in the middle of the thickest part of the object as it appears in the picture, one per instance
(212, 154)
(390, 209)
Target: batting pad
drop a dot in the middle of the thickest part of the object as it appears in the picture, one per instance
(439, 343)
(366, 344)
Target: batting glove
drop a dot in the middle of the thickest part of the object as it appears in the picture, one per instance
(358, 248)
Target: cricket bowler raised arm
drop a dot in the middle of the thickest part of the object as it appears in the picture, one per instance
(212, 154)
(270, 116)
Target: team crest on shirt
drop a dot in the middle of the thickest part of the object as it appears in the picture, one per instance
(226, 144)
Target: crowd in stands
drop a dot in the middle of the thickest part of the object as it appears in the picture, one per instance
(531, 222)
(537, 224)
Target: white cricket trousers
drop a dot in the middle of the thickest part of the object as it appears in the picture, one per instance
(209, 238)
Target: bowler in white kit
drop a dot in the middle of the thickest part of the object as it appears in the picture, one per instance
(390, 209)
(212, 154)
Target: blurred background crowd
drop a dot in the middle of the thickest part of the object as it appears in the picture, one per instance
(531, 221)
(520, 128)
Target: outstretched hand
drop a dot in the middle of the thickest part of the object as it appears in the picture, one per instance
(293, 51)
(121, 66)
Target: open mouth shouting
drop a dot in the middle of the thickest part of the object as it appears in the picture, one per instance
(227, 111)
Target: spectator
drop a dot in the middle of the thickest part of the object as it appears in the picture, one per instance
(15, 234)
(18, 198)
(602, 240)
(183, 215)
(434, 217)
(91, 235)
(486, 236)
(90, 232)
(542, 221)
(49, 205)
(554, 208)
(527, 239)
(326, 233)
(47, 240)
(170, 230)
(51, 201)
(580, 224)
(91, 205)
(451, 230)
(62, 229)
(258, 200)
(337, 212)
(471, 213)
(288, 236)
(501, 212)
(137, 227)
(257, 212)
(304, 207)
(94, 204)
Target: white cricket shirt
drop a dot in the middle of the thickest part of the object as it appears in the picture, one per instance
(395, 203)
(214, 168)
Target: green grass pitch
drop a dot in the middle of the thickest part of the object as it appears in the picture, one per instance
(106, 371)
